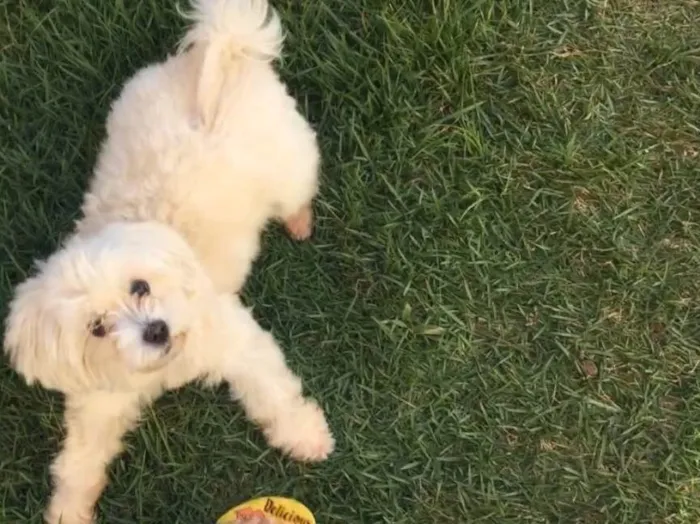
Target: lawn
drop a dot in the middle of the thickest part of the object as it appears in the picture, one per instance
(499, 308)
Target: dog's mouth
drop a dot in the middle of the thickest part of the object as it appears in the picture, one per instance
(176, 341)
(167, 352)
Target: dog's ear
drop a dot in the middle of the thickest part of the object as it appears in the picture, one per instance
(34, 336)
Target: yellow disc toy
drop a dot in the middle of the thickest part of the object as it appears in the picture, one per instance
(268, 510)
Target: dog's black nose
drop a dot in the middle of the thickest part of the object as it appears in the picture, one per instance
(156, 333)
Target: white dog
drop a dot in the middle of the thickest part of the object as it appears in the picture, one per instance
(210, 143)
(113, 320)
(202, 151)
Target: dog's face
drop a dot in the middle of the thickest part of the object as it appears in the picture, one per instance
(106, 308)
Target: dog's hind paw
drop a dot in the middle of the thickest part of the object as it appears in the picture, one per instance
(300, 224)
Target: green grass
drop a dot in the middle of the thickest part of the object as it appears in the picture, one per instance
(499, 309)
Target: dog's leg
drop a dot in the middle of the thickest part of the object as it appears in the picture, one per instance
(300, 224)
(95, 425)
(272, 395)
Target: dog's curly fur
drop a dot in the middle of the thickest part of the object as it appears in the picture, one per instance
(210, 142)
(202, 150)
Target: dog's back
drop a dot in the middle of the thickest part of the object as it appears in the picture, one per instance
(209, 141)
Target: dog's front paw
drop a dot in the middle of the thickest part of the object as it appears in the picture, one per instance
(300, 224)
(56, 514)
(302, 433)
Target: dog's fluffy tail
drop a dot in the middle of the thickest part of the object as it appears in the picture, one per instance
(227, 31)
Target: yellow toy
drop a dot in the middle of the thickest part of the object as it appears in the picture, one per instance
(268, 510)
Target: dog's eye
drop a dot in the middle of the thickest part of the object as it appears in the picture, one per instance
(98, 330)
(139, 288)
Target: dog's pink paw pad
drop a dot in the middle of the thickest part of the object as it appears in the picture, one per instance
(300, 224)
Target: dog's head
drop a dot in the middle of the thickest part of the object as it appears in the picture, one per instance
(106, 307)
